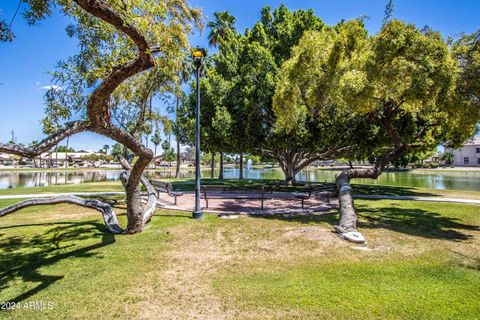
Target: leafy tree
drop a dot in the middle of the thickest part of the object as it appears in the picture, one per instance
(61, 148)
(448, 157)
(117, 151)
(156, 139)
(121, 44)
(105, 149)
(242, 77)
(398, 88)
(168, 153)
(96, 160)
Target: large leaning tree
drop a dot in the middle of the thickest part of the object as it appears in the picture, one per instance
(402, 90)
(120, 42)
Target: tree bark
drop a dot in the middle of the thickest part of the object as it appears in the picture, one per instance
(212, 166)
(66, 153)
(99, 115)
(137, 215)
(348, 215)
(177, 169)
(290, 172)
(240, 176)
(155, 159)
(220, 174)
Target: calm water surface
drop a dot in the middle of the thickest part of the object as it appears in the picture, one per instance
(436, 180)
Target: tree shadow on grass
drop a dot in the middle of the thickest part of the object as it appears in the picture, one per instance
(389, 191)
(23, 257)
(330, 217)
(415, 222)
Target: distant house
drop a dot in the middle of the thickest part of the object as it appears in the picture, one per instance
(468, 154)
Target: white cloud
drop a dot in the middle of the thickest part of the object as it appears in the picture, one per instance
(55, 87)
(37, 83)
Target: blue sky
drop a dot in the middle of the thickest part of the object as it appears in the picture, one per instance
(24, 63)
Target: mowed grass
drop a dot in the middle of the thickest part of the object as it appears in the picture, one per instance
(421, 262)
(104, 186)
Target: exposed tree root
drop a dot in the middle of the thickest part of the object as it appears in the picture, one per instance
(107, 211)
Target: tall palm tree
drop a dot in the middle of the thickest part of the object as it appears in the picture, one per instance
(156, 139)
(223, 21)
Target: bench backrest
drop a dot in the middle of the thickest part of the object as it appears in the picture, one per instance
(231, 189)
(331, 187)
(161, 185)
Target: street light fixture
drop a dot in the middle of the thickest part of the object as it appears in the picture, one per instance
(199, 55)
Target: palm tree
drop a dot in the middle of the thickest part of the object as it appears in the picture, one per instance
(223, 21)
(156, 139)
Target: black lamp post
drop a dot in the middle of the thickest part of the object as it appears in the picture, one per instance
(198, 57)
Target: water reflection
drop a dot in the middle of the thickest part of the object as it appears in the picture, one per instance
(440, 180)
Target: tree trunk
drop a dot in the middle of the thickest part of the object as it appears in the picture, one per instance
(289, 173)
(137, 215)
(177, 170)
(66, 153)
(154, 158)
(241, 167)
(99, 115)
(220, 175)
(347, 226)
(212, 166)
(289, 170)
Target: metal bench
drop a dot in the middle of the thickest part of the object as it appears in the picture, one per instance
(229, 192)
(305, 195)
(165, 187)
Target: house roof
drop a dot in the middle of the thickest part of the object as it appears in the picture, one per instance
(475, 141)
(5, 156)
(64, 155)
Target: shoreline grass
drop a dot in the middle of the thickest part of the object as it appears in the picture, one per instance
(189, 185)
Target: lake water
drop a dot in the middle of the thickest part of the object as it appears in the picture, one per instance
(425, 179)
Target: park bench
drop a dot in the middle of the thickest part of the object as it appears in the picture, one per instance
(330, 188)
(165, 187)
(229, 192)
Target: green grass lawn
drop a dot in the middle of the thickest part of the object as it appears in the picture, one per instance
(421, 262)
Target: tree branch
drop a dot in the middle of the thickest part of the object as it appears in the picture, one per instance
(107, 211)
(47, 143)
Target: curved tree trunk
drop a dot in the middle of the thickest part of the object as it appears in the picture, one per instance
(99, 114)
(347, 226)
(241, 167)
(107, 211)
(138, 215)
(220, 174)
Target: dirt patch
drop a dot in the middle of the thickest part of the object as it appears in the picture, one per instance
(200, 253)
(323, 235)
(185, 291)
